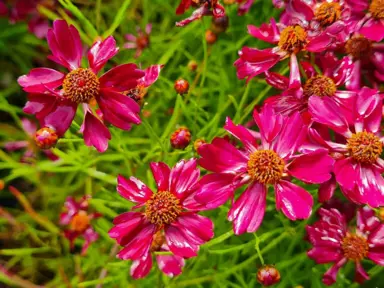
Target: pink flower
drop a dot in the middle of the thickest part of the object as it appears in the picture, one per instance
(172, 211)
(290, 40)
(207, 8)
(139, 42)
(272, 163)
(29, 144)
(244, 6)
(54, 96)
(358, 166)
(170, 265)
(78, 220)
(295, 95)
(334, 243)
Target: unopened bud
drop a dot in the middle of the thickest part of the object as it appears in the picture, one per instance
(46, 138)
(268, 275)
(181, 138)
(181, 86)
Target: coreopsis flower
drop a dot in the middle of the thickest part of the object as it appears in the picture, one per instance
(206, 8)
(139, 42)
(54, 96)
(30, 145)
(335, 73)
(268, 275)
(274, 163)
(290, 40)
(172, 210)
(78, 220)
(170, 265)
(181, 138)
(334, 242)
(357, 148)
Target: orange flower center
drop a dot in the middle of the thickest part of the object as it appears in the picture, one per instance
(359, 47)
(377, 9)
(158, 241)
(355, 247)
(163, 208)
(319, 86)
(265, 166)
(81, 85)
(364, 147)
(328, 13)
(293, 39)
(142, 41)
(80, 222)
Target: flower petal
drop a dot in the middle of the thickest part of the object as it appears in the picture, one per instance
(40, 80)
(60, 117)
(122, 77)
(327, 189)
(141, 267)
(96, 134)
(133, 189)
(101, 52)
(330, 276)
(152, 73)
(241, 133)
(170, 265)
(183, 178)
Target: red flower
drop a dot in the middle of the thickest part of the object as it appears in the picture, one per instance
(334, 243)
(207, 8)
(78, 220)
(54, 96)
(172, 210)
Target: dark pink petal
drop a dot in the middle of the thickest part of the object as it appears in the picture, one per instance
(198, 13)
(40, 104)
(96, 134)
(319, 43)
(366, 220)
(276, 80)
(294, 74)
(133, 189)
(90, 236)
(314, 167)
(118, 109)
(376, 254)
(38, 26)
(183, 6)
(243, 134)
(101, 52)
(244, 7)
(325, 254)
(126, 217)
(330, 276)
(373, 29)
(299, 9)
(327, 189)
(40, 80)
(187, 233)
(170, 265)
(253, 62)
(325, 111)
(291, 136)
(139, 245)
(371, 184)
(122, 77)
(29, 126)
(360, 275)
(215, 189)
(247, 212)
(183, 178)
(141, 267)
(65, 44)
(152, 73)
(218, 10)
(268, 122)
(15, 145)
(267, 32)
(161, 174)
(60, 117)
(295, 201)
(222, 157)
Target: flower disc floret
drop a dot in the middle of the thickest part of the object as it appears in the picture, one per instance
(81, 85)
(80, 222)
(293, 39)
(320, 85)
(328, 13)
(359, 47)
(162, 208)
(355, 247)
(364, 147)
(265, 166)
(377, 9)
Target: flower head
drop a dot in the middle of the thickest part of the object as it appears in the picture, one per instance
(78, 221)
(181, 138)
(268, 275)
(139, 42)
(273, 162)
(334, 243)
(171, 211)
(55, 96)
(181, 86)
(205, 8)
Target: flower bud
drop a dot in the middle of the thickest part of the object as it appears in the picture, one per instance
(181, 138)
(220, 25)
(2, 184)
(210, 37)
(46, 138)
(198, 143)
(192, 65)
(268, 275)
(181, 86)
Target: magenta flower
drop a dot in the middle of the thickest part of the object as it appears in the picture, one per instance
(290, 40)
(244, 6)
(334, 243)
(207, 8)
(171, 209)
(78, 219)
(335, 73)
(139, 42)
(272, 163)
(358, 166)
(29, 144)
(54, 96)
(170, 265)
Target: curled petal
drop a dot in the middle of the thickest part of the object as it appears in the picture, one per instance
(101, 52)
